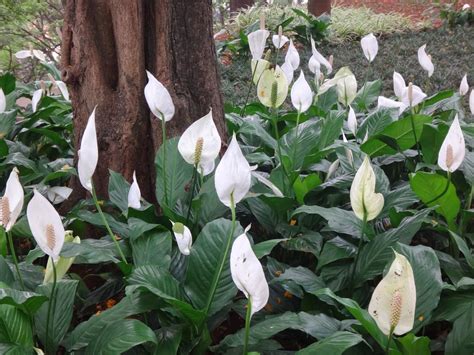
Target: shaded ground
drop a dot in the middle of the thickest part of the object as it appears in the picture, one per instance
(452, 52)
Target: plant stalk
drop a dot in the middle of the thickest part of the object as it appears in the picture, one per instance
(249, 89)
(412, 120)
(50, 307)
(163, 130)
(390, 335)
(247, 324)
(191, 193)
(15, 260)
(361, 241)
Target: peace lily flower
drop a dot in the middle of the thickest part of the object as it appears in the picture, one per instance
(12, 201)
(272, 88)
(30, 53)
(332, 169)
(349, 155)
(183, 236)
(319, 57)
(257, 42)
(471, 101)
(36, 98)
(258, 67)
(466, 7)
(279, 41)
(365, 202)
(233, 175)
(393, 302)
(3, 101)
(370, 46)
(412, 95)
(61, 86)
(464, 86)
(399, 85)
(46, 226)
(301, 94)
(288, 71)
(247, 273)
(346, 85)
(58, 194)
(200, 143)
(452, 151)
(314, 66)
(158, 98)
(63, 264)
(292, 56)
(352, 121)
(425, 60)
(134, 194)
(389, 103)
(88, 154)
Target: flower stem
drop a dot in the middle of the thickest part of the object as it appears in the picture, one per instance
(387, 349)
(163, 130)
(50, 308)
(249, 89)
(15, 260)
(277, 137)
(191, 193)
(106, 224)
(361, 241)
(217, 274)
(247, 324)
(412, 120)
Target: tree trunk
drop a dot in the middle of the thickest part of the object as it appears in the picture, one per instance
(319, 7)
(236, 5)
(107, 46)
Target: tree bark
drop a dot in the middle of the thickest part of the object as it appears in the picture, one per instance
(107, 46)
(236, 5)
(319, 7)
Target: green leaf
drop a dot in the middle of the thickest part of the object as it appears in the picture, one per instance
(27, 301)
(152, 248)
(463, 247)
(61, 313)
(207, 205)
(118, 190)
(133, 303)
(6, 275)
(431, 189)
(431, 140)
(303, 277)
(360, 314)
(412, 345)
(15, 326)
(178, 175)
(7, 123)
(7, 83)
(168, 339)
(335, 344)
(401, 131)
(204, 260)
(120, 336)
(454, 304)
(265, 248)
(368, 94)
(335, 249)
(304, 185)
(91, 251)
(375, 122)
(460, 340)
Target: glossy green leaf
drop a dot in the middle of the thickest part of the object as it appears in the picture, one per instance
(152, 248)
(15, 326)
(460, 340)
(118, 190)
(335, 344)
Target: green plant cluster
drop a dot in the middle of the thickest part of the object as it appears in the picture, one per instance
(453, 14)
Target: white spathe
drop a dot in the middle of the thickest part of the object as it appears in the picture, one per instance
(415, 97)
(425, 60)
(200, 143)
(183, 236)
(134, 195)
(46, 226)
(346, 85)
(257, 42)
(12, 201)
(58, 194)
(288, 71)
(471, 102)
(292, 56)
(370, 46)
(352, 121)
(453, 150)
(247, 273)
(3, 101)
(365, 201)
(383, 101)
(301, 94)
(88, 154)
(270, 79)
(37, 94)
(319, 57)
(393, 302)
(62, 264)
(258, 66)
(314, 66)
(279, 41)
(233, 175)
(464, 86)
(399, 85)
(158, 98)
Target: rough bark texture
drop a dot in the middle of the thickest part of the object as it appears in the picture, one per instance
(318, 7)
(236, 5)
(107, 46)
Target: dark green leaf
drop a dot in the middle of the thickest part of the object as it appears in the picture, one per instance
(335, 344)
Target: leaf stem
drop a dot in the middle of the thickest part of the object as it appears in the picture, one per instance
(361, 241)
(247, 324)
(50, 307)
(15, 260)
(277, 137)
(106, 224)
(163, 130)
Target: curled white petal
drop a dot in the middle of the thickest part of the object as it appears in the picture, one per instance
(319, 57)
(233, 175)
(464, 86)
(247, 273)
(279, 41)
(301, 94)
(471, 102)
(399, 85)
(453, 150)
(88, 154)
(425, 60)
(39, 55)
(257, 42)
(466, 7)
(46, 226)
(389, 103)
(12, 201)
(393, 302)
(287, 69)
(3, 101)
(352, 121)
(36, 98)
(134, 194)
(183, 236)
(158, 98)
(25, 53)
(276, 191)
(370, 46)
(365, 201)
(314, 66)
(63, 88)
(417, 96)
(292, 56)
(58, 194)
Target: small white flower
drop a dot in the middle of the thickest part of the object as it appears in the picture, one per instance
(464, 86)
(158, 98)
(389, 103)
(257, 42)
(318, 56)
(183, 236)
(466, 7)
(453, 150)
(134, 194)
(58, 194)
(352, 121)
(370, 46)
(425, 60)
(12, 201)
(399, 85)
(279, 41)
(301, 94)
(3, 101)
(314, 66)
(88, 154)
(471, 102)
(292, 56)
(412, 95)
(36, 98)
(288, 71)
